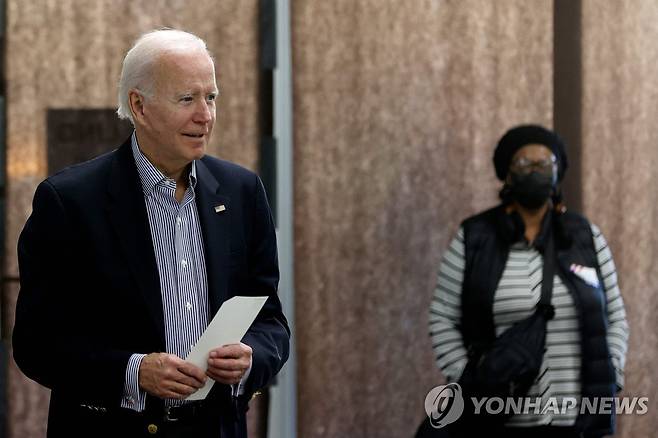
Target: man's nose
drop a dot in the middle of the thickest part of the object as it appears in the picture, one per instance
(204, 113)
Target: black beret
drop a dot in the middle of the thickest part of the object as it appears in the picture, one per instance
(523, 135)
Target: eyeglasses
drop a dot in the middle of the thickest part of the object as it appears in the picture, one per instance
(524, 166)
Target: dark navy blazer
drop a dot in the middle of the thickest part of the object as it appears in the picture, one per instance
(90, 290)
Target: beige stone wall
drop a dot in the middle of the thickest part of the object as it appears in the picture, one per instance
(620, 176)
(398, 106)
(67, 54)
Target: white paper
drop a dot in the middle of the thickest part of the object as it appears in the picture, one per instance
(229, 326)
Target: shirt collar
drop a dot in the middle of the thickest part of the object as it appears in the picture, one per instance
(150, 175)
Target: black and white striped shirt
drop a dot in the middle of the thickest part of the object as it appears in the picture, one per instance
(517, 294)
(179, 254)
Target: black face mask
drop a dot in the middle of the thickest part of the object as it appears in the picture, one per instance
(531, 190)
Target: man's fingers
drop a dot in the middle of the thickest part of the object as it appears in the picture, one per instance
(179, 386)
(191, 381)
(229, 364)
(225, 377)
(194, 372)
(232, 351)
(168, 376)
(178, 390)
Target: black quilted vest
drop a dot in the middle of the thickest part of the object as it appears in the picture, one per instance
(488, 237)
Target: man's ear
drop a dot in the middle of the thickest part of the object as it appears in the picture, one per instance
(136, 100)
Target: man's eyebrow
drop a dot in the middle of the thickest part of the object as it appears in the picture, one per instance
(196, 93)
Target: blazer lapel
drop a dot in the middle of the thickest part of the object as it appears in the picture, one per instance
(127, 212)
(214, 214)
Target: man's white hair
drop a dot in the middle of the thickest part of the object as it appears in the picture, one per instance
(137, 70)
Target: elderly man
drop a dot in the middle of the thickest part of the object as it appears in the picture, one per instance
(126, 258)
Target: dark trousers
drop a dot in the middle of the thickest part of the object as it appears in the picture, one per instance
(124, 423)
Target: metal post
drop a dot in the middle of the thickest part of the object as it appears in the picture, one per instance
(283, 396)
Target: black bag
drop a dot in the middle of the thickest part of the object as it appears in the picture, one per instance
(510, 364)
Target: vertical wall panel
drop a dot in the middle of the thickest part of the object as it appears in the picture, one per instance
(398, 106)
(67, 54)
(620, 177)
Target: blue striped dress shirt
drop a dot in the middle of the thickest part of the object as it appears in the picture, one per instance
(179, 254)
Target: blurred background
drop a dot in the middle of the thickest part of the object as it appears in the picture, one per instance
(372, 123)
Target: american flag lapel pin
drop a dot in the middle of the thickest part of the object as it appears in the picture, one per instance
(220, 208)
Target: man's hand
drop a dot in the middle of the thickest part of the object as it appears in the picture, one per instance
(228, 364)
(168, 376)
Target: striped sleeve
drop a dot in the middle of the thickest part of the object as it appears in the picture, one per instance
(445, 312)
(133, 397)
(618, 325)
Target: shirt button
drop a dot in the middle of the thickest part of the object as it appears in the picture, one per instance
(188, 306)
(152, 428)
(183, 263)
(179, 220)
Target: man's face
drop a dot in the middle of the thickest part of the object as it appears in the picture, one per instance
(175, 123)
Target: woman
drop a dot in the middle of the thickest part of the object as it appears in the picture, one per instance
(491, 278)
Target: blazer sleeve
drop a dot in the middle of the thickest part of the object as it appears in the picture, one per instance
(50, 343)
(269, 336)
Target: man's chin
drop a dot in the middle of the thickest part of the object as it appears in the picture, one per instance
(196, 151)
(199, 152)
